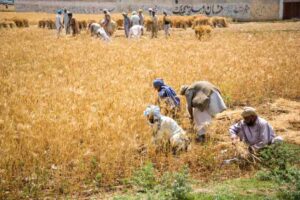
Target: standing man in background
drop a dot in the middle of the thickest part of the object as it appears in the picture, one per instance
(167, 24)
(66, 21)
(154, 25)
(141, 16)
(134, 19)
(58, 23)
(126, 24)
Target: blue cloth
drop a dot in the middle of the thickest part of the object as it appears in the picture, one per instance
(166, 91)
(59, 11)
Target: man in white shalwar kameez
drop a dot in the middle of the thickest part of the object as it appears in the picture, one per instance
(203, 103)
(136, 31)
(166, 130)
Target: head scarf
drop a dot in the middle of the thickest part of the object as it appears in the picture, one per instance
(152, 110)
(158, 83)
(166, 91)
(133, 13)
(249, 111)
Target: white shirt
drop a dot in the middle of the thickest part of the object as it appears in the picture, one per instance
(135, 31)
(102, 33)
(135, 20)
(58, 23)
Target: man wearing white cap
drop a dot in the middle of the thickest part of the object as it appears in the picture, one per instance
(150, 11)
(253, 130)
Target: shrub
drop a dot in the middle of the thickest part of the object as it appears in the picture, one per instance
(144, 179)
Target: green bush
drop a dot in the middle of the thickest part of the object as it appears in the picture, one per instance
(144, 179)
(175, 186)
(280, 155)
(181, 187)
(280, 164)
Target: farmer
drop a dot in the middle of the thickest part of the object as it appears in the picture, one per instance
(136, 31)
(167, 95)
(150, 11)
(203, 102)
(154, 28)
(66, 22)
(253, 130)
(126, 24)
(166, 132)
(134, 19)
(101, 33)
(58, 23)
(93, 27)
(141, 16)
(167, 24)
(108, 25)
(106, 19)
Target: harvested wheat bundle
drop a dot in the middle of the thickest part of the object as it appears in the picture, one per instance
(26, 23)
(201, 20)
(21, 22)
(2, 25)
(179, 22)
(242, 152)
(119, 23)
(203, 30)
(7, 24)
(41, 23)
(148, 24)
(74, 26)
(18, 22)
(160, 24)
(50, 24)
(11, 24)
(219, 22)
(82, 24)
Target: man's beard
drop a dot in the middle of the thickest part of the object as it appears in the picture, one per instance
(250, 123)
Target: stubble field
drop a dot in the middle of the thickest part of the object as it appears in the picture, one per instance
(71, 109)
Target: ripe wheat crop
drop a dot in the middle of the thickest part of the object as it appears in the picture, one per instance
(71, 108)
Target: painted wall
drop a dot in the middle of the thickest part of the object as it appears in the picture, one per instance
(245, 10)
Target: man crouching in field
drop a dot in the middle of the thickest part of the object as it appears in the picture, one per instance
(253, 130)
(166, 132)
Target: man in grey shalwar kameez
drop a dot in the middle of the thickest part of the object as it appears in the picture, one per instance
(66, 21)
(253, 130)
(203, 103)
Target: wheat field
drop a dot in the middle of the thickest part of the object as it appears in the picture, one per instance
(71, 109)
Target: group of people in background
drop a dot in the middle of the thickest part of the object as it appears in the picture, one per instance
(204, 102)
(66, 22)
(134, 25)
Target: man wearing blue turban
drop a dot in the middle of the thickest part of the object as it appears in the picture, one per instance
(167, 94)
